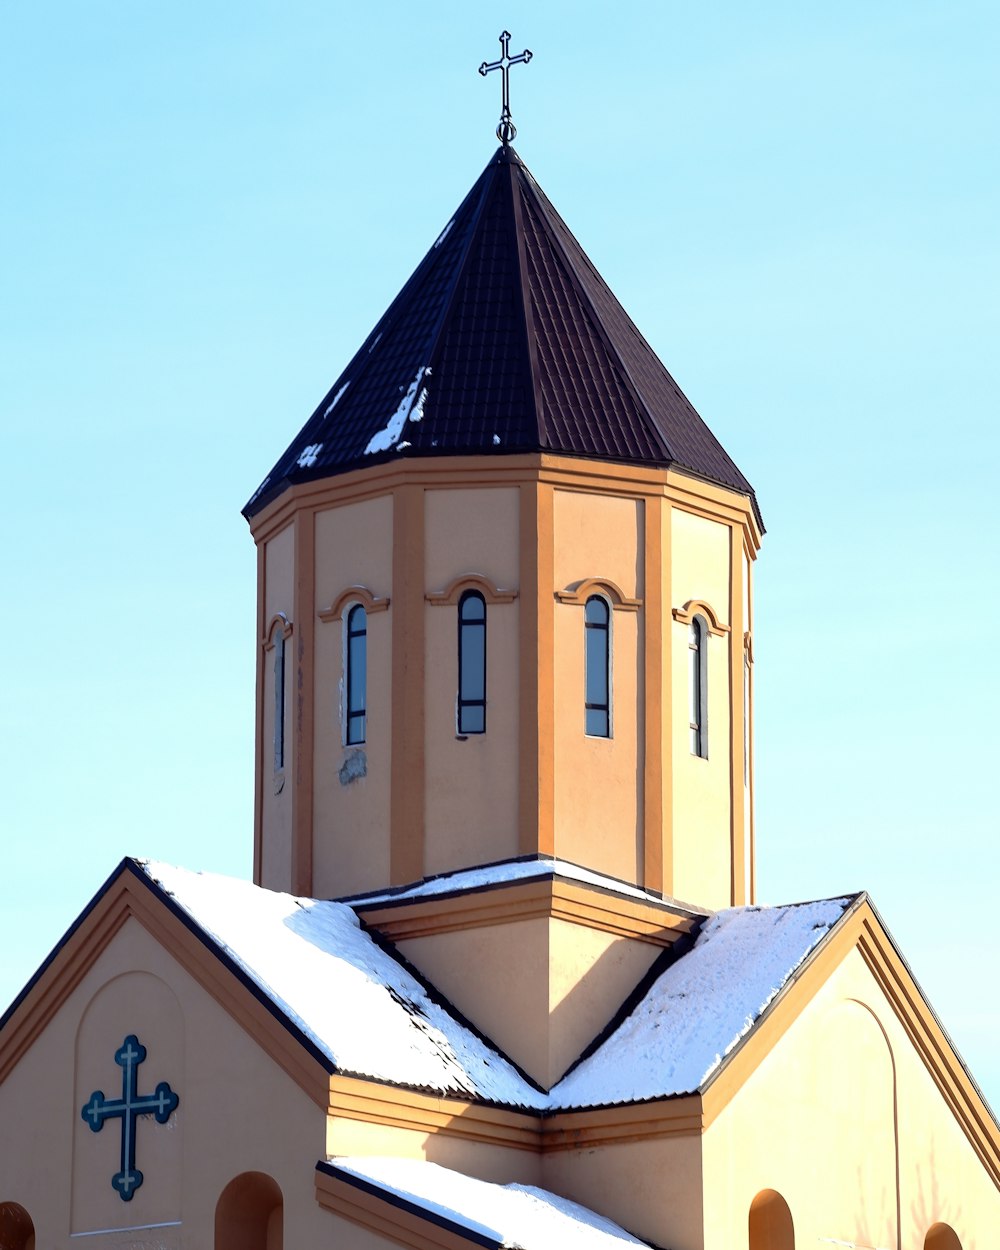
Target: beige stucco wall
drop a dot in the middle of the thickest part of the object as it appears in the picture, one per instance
(472, 784)
(351, 812)
(238, 1112)
(819, 1121)
(598, 801)
(541, 989)
(276, 796)
(653, 1188)
(702, 846)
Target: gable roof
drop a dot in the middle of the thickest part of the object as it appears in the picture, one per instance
(698, 1008)
(505, 340)
(473, 1211)
(344, 994)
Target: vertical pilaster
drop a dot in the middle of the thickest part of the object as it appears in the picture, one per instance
(303, 700)
(536, 808)
(748, 646)
(406, 805)
(656, 699)
(736, 806)
(258, 767)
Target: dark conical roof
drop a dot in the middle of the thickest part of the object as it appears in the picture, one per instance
(506, 339)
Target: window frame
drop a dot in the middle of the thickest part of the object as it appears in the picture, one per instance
(353, 714)
(462, 704)
(592, 705)
(698, 633)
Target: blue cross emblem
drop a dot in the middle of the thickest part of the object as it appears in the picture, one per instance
(129, 1107)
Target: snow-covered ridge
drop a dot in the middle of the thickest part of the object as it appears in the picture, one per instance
(502, 873)
(371, 1017)
(520, 1216)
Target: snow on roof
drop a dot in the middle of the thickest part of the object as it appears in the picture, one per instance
(353, 1000)
(503, 873)
(509, 1215)
(697, 1011)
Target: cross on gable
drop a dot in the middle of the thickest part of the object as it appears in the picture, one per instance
(161, 1104)
(506, 131)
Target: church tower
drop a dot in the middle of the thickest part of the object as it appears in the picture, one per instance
(505, 606)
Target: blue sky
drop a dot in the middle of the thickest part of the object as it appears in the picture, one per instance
(206, 208)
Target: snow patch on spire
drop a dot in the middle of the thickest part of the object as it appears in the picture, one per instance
(411, 407)
(336, 398)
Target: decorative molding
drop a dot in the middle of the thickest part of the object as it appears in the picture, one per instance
(534, 899)
(469, 581)
(580, 592)
(359, 594)
(279, 620)
(698, 607)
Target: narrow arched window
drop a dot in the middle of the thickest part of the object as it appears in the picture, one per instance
(471, 663)
(356, 652)
(698, 687)
(597, 640)
(279, 701)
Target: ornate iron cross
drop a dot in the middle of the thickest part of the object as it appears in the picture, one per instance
(506, 131)
(128, 1108)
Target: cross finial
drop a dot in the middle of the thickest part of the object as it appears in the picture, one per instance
(506, 131)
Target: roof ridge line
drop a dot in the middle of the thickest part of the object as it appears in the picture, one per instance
(616, 358)
(527, 315)
(460, 268)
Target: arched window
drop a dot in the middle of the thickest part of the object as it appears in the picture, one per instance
(771, 1223)
(942, 1237)
(279, 701)
(597, 640)
(250, 1214)
(17, 1232)
(698, 686)
(472, 663)
(356, 683)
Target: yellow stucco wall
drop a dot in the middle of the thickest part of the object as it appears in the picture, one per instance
(701, 806)
(351, 811)
(844, 1121)
(598, 801)
(471, 790)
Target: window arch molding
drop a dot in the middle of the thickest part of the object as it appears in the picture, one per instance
(453, 592)
(699, 607)
(601, 587)
(278, 625)
(371, 603)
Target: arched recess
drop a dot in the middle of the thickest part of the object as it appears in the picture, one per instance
(17, 1232)
(250, 1214)
(942, 1237)
(771, 1225)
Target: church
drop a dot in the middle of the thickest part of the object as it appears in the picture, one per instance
(502, 978)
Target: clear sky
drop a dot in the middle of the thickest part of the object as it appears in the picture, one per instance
(205, 208)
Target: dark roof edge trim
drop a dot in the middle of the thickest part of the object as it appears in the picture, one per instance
(406, 1204)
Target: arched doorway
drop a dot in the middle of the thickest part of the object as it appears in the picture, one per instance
(250, 1214)
(771, 1223)
(17, 1232)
